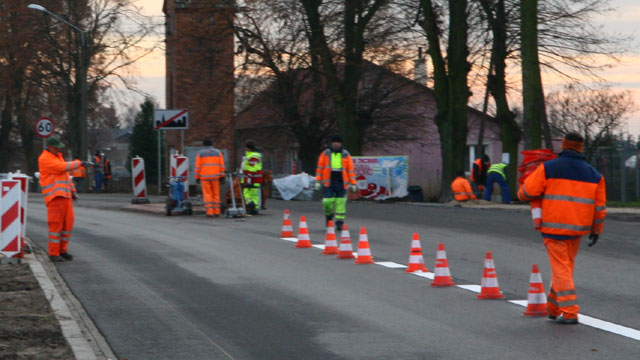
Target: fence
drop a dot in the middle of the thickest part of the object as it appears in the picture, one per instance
(620, 167)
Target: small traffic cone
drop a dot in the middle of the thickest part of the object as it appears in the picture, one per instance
(416, 260)
(345, 251)
(442, 274)
(330, 241)
(287, 228)
(364, 251)
(490, 288)
(536, 213)
(536, 301)
(303, 234)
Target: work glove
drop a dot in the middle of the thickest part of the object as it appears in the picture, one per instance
(74, 196)
(318, 186)
(86, 163)
(594, 239)
(353, 188)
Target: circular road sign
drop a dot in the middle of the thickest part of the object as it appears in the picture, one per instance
(44, 127)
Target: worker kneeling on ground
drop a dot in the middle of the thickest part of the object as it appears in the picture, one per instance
(461, 188)
(209, 173)
(497, 173)
(252, 177)
(334, 175)
(59, 193)
(573, 205)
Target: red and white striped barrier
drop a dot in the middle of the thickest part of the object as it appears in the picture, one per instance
(139, 181)
(24, 197)
(180, 168)
(10, 227)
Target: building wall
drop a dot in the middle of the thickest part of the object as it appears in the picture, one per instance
(199, 70)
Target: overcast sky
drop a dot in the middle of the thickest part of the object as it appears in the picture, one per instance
(625, 20)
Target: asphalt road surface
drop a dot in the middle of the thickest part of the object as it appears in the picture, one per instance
(196, 288)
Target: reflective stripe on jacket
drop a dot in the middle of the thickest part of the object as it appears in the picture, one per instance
(323, 171)
(252, 168)
(54, 176)
(573, 196)
(80, 172)
(462, 189)
(498, 168)
(209, 164)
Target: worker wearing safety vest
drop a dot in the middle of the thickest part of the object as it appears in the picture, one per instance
(58, 191)
(334, 175)
(497, 174)
(252, 177)
(461, 188)
(209, 173)
(107, 171)
(573, 204)
(479, 174)
(98, 170)
(78, 175)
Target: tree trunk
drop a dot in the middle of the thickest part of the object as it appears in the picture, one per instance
(6, 119)
(534, 112)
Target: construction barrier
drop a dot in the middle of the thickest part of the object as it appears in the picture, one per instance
(180, 169)
(139, 181)
(10, 225)
(24, 197)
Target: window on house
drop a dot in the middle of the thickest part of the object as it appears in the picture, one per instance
(472, 153)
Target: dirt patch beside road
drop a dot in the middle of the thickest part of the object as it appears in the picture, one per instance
(28, 327)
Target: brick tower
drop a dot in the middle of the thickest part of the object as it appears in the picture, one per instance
(199, 69)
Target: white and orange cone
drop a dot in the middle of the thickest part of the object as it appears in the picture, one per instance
(346, 250)
(490, 288)
(364, 251)
(536, 300)
(287, 227)
(330, 241)
(442, 275)
(416, 260)
(303, 234)
(536, 213)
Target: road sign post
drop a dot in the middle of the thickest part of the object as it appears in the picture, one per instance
(169, 119)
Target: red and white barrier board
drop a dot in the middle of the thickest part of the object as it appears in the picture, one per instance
(180, 168)
(10, 226)
(139, 180)
(24, 197)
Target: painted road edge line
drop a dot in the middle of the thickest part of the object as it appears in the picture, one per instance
(583, 319)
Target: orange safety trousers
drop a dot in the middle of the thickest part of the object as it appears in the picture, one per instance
(562, 294)
(211, 195)
(60, 218)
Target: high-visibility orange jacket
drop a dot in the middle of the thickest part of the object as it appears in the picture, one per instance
(209, 164)
(478, 174)
(462, 189)
(323, 171)
(573, 196)
(54, 176)
(80, 172)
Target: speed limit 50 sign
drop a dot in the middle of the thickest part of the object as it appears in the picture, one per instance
(44, 127)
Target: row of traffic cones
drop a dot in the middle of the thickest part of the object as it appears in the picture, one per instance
(490, 289)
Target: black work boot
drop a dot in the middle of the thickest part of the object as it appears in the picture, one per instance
(328, 218)
(66, 256)
(339, 224)
(562, 320)
(56, 258)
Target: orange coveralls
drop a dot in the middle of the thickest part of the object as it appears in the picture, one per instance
(58, 194)
(209, 170)
(462, 189)
(573, 204)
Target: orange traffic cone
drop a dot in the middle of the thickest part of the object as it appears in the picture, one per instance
(364, 251)
(287, 228)
(536, 302)
(442, 274)
(416, 260)
(346, 251)
(303, 234)
(490, 288)
(330, 241)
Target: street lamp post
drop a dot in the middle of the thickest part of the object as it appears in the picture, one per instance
(82, 77)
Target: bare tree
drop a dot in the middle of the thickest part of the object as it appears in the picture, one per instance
(596, 114)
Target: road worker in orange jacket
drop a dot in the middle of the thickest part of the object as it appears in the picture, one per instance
(479, 174)
(573, 205)
(78, 175)
(58, 191)
(461, 188)
(210, 173)
(334, 175)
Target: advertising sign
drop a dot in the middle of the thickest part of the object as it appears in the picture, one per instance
(382, 177)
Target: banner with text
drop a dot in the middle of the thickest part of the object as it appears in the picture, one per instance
(382, 177)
